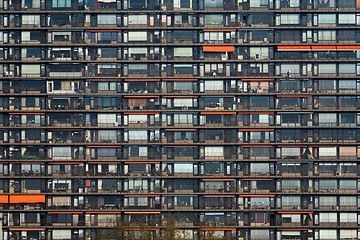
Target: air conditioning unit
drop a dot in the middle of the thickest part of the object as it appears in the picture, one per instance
(265, 40)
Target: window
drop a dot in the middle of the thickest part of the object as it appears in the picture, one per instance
(347, 68)
(287, 19)
(327, 217)
(347, 18)
(327, 18)
(327, 152)
(214, 3)
(214, 151)
(137, 19)
(259, 3)
(106, 19)
(327, 35)
(183, 52)
(348, 217)
(61, 3)
(214, 19)
(137, 36)
(183, 168)
(327, 201)
(138, 135)
(293, 68)
(291, 201)
(327, 68)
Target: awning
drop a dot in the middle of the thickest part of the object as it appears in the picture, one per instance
(218, 48)
(4, 198)
(293, 48)
(27, 198)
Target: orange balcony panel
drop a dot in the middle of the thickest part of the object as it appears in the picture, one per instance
(141, 113)
(72, 213)
(323, 48)
(219, 30)
(222, 113)
(141, 96)
(68, 163)
(180, 79)
(217, 229)
(348, 48)
(218, 179)
(256, 146)
(142, 213)
(104, 146)
(179, 129)
(142, 162)
(105, 213)
(141, 80)
(218, 48)
(257, 79)
(293, 48)
(27, 198)
(4, 198)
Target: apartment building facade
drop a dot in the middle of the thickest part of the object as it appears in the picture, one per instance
(239, 117)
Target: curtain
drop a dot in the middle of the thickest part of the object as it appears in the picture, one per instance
(183, 118)
(290, 184)
(138, 135)
(327, 152)
(137, 19)
(291, 200)
(259, 3)
(293, 68)
(261, 51)
(106, 118)
(214, 3)
(25, 36)
(327, 35)
(328, 184)
(214, 85)
(214, 151)
(137, 50)
(348, 184)
(347, 84)
(347, 68)
(106, 19)
(61, 201)
(290, 19)
(347, 18)
(327, 217)
(348, 151)
(30, 69)
(61, 151)
(183, 85)
(107, 134)
(214, 19)
(180, 102)
(183, 52)
(137, 36)
(138, 118)
(259, 167)
(290, 152)
(327, 201)
(327, 118)
(327, 18)
(348, 218)
(183, 168)
(348, 234)
(31, 19)
(61, 234)
(348, 201)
